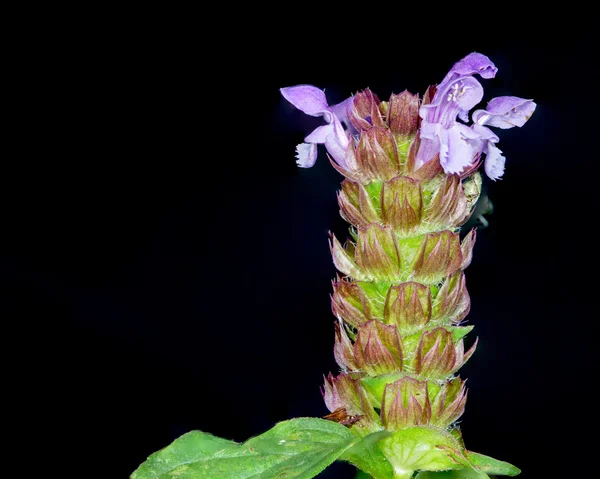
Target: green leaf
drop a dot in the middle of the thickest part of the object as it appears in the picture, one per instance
(367, 456)
(296, 449)
(491, 465)
(423, 448)
(484, 465)
(459, 474)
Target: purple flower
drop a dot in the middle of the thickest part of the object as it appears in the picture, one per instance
(454, 97)
(457, 144)
(312, 101)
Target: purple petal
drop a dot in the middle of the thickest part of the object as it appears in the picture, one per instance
(427, 151)
(505, 112)
(494, 162)
(307, 98)
(471, 64)
(444, 148)
(458, 148)
(337, 143)
(430, 143)
(485, 133)
(335, 140)
(341, 111)
(306, 154)
(320, 134)
(340, 135)
(455, 98)
(464, 115)
(430, 131)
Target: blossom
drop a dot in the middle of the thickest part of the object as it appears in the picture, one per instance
(311, 100)
(458, 145)
(444, 130)
(455, 96)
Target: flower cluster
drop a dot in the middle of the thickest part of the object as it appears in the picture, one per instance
(459, 145)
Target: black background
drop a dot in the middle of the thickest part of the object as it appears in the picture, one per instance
(166, 263)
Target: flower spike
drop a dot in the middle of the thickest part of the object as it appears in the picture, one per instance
(411, 183)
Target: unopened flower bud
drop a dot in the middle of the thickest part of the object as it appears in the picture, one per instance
(343, 350)
(355, 204)
(438, 356)
(452, 302)
(466, 247)
(448, 403)
(377, 154)
(346, 391)
(405, 403)
(403, 113)
(377, 252)
(439, 256)
(364, 112)
(347, 303)
(344, 260)
(409, 306)
(449, 204)
(402, 204)
(378, 348)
